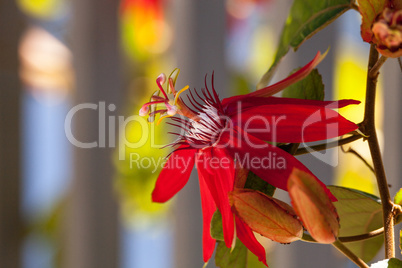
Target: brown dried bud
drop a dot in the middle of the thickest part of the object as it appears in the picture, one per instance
(387, 32)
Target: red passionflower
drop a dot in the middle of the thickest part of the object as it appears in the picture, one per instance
(218, 135)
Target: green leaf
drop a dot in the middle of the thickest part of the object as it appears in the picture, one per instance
(256, 183)
(394, 263)
(306, 17)
(359, 213)
(310, 88)
(216, 226)
(225, 258)
(398, 197)
(389, 263)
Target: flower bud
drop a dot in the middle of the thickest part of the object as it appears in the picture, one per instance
(266, 215)
(314, 207)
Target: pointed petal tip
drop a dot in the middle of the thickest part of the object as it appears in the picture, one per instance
(342, 103)
(219, 181)
(158, 197)
(208, 251)
(174, 175)
(247, 237)
(291, 79)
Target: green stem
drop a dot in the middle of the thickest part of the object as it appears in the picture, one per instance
(341, 247)
(354, 238)
(368, 128)
(400, 63)
(355, 7)
(347, 239)
(324, 146)
(373, 73)
(294, 148)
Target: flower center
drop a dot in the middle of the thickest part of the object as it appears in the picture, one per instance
(207, 129)
(200, 123)
(170, 100)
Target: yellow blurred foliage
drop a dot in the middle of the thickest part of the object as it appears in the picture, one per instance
(350, 83)
(144, 32)
(42, 9)
(139, 160)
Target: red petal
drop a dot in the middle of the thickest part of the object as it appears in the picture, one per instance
(247, 237)
(289, 123)
(174, 174)
(208, 209)
(217, 169)
(270, 163)
(291, 79)
(244, 103)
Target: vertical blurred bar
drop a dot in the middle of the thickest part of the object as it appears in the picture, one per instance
(93, 226)
(390, 74)
(391, 77)
(200, 31)
(11, 25)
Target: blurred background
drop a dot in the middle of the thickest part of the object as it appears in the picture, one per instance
(74, 191)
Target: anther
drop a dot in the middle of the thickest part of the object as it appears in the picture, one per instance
(144, 110)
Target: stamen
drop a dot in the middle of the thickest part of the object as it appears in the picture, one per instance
(144, 110)
(162, 111)
(201, 123)
(161, 118)
(172, 77)
(190, 112)
(160, 81)
(152, 103)
(157, 98)
(171, 86)
(171, 109)
(180, 91)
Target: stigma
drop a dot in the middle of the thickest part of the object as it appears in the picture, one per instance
(167, 102)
